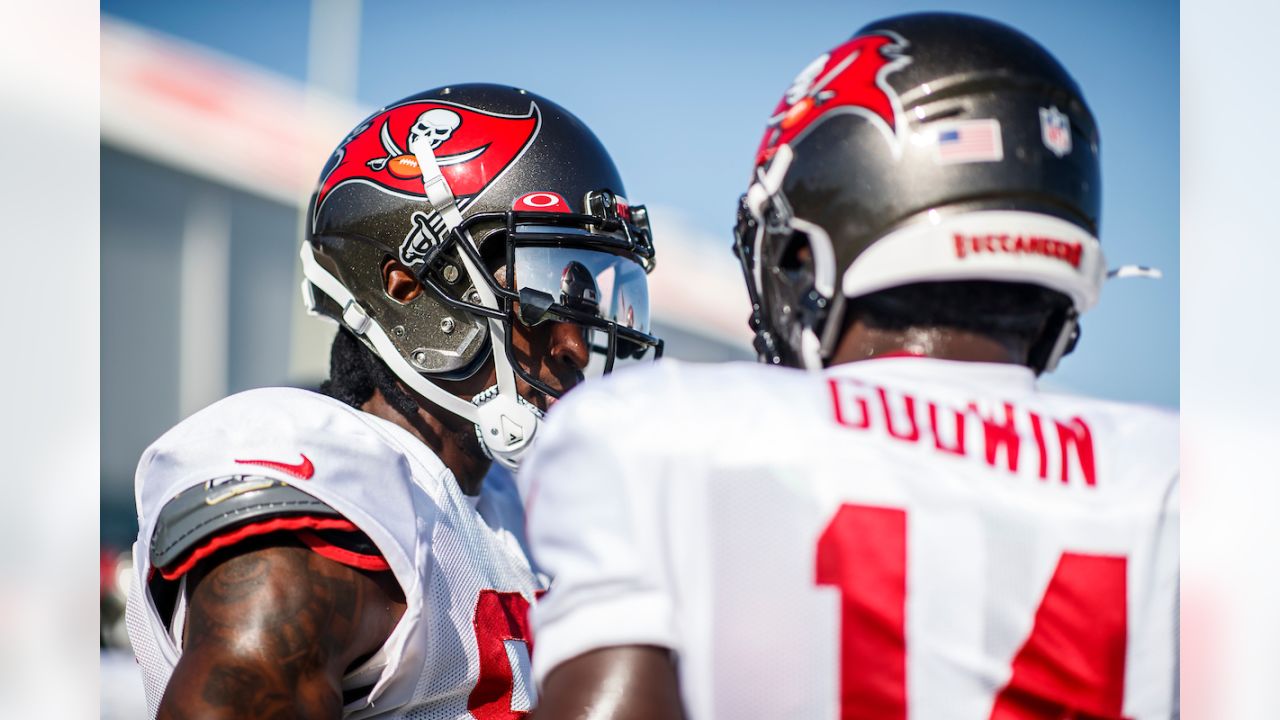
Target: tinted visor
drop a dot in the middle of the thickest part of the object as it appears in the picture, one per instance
(582, 284)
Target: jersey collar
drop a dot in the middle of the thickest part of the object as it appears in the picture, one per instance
(936, 370)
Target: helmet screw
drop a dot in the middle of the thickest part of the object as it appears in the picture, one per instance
(473, 297)
(446, 325)
(450, 274)
(420, 356)
(398, 331)
(493, 431)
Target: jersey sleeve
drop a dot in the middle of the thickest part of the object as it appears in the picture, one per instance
(278, 460)
(275, 460)
(216, 515)
(595, 500)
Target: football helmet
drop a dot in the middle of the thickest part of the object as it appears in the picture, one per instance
(455, 183)
(929, 147)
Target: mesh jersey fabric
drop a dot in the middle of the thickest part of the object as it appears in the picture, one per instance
(699, 508)
(446, 550)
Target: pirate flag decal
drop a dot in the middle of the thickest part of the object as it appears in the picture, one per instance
(849, 79)
(472, 148)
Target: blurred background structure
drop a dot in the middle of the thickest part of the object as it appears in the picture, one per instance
(217, 117)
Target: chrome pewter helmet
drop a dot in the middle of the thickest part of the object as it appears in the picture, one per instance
(454, 183)
(929, 147)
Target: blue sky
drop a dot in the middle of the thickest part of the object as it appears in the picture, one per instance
(679, 92)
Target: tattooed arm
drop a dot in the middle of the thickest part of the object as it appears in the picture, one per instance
(270, 632)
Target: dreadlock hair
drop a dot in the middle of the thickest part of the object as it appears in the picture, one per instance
(355, 372)
(1010, 313)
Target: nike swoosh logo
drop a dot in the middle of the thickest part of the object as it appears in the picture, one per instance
(303, 470)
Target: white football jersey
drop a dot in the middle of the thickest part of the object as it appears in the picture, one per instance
(895, 538)
(462, 648)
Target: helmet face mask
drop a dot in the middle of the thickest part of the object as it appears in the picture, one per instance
(558, 266)
(788, 266)
(928, 148)
(457, 184)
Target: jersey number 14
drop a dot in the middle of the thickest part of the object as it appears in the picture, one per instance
(1072, 664)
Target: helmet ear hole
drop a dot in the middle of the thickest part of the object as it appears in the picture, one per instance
(399, 282)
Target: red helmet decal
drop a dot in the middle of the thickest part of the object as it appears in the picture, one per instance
(850, 78)
(472, 148)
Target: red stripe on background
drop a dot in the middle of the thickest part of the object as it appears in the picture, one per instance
(243, 532)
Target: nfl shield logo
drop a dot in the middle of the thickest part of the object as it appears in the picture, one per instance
(1055, 130)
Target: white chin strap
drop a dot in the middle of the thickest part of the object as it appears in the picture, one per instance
(505, 422)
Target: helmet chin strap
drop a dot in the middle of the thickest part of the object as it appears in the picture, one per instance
(510, 429)
(505, 422)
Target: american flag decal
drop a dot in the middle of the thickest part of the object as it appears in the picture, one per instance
(966, 141)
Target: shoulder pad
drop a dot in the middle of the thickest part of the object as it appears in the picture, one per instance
(218, 505)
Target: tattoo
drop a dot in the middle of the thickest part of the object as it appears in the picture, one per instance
(227, 684)
(240, 577)
(270, 633)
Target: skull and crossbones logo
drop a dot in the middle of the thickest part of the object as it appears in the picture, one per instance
(433, 127)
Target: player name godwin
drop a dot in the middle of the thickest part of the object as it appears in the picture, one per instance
(1007, 436)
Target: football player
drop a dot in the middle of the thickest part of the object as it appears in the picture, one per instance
(342, 554)
(887, 519)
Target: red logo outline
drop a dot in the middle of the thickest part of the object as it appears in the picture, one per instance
(852, 78)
